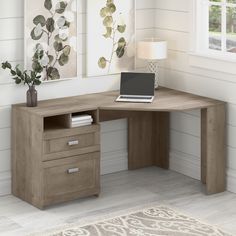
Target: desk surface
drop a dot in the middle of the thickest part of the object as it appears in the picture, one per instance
(165, 100)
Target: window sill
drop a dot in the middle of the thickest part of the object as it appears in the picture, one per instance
(213, 62)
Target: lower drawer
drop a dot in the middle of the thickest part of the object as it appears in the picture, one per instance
(71, 178)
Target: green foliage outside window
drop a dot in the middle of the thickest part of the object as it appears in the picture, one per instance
(215, 18)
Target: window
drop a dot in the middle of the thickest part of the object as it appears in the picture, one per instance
(216, 27)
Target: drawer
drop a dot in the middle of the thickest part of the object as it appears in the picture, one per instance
(76, 144)
(71, 178)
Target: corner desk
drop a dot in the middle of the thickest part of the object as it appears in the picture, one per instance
(49, 167)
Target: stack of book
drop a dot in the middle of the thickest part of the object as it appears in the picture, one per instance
(81, 120)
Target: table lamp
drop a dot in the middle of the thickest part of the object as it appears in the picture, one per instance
(152, 50)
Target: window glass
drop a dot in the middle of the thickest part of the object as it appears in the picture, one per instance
(231, 29)
(215, 27)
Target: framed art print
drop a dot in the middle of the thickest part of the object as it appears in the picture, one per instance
(51, 38)
(110, 36)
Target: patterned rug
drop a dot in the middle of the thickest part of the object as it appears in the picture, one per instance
(160, 220)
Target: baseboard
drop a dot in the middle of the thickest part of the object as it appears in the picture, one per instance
(5, 183)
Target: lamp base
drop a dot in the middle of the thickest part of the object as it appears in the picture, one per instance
(153, 68)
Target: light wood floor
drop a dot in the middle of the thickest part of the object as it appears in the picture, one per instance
(122, 191)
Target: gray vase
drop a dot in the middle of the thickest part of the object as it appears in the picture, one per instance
(32, 97)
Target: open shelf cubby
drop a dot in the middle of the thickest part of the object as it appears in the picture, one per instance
(64, 121)
(57, 122)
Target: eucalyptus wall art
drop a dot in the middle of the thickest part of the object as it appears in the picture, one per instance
(51, 38)
(110, 36)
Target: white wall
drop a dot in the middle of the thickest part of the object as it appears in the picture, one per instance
(114, 154)
(173, 22)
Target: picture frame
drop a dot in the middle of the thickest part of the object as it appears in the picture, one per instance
(51, 30)
(111, 35)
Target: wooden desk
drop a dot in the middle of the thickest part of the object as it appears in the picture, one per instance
(148, 132)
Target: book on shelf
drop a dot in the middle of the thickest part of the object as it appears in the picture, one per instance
(81, 124)
(81, 120)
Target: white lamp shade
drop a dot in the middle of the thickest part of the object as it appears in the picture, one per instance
(152, 50)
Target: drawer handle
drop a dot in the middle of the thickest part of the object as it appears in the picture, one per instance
(72, 171)
(73, 143)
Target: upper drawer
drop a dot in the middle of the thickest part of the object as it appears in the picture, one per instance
(74, 142)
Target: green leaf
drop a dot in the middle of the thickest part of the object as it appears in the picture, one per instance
(61, 21)
(111, 7)
(67, 50)
(38, 46)
(27, 79)
(39, 20)
(50, 24)
(33, 35)
(53, 73)
(13, 72)
(6, 65)
(67, 24)
(61, 7)
(37, 82)
(102, 62)
(120, 51)
(37, 67)
(41, 54)
(33, 75)
(104, 12)
(18, 72)
(58, 46)
(121, 28)
(63, 59)
(48, 4)
(108, 33)
(121, 42)
(17, 80)
(58, 39)
(108, 21)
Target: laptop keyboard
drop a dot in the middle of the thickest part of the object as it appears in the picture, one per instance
(135, 97)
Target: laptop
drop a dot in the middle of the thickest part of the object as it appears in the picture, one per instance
(137, 87)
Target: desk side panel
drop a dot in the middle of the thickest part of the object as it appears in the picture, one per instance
(214, 148)
(26, 156)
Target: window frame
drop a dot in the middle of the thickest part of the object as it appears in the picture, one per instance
(200, 34)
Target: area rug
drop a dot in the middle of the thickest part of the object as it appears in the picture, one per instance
(152, 221)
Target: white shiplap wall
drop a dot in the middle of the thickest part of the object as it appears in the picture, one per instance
(173, 22)
(114, 154)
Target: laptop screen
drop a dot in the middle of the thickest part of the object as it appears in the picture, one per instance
(137, 84)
